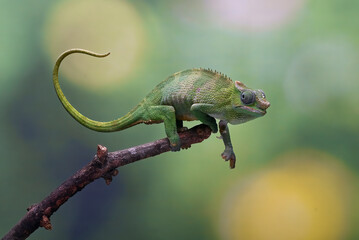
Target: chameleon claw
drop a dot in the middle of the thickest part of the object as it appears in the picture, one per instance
(232, 163)
(185, 147)
(228, 154)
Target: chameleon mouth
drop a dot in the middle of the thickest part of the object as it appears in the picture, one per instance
(256, 111)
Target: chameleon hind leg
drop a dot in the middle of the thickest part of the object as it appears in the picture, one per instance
(180, 127)
(228, 153)
(167, 115)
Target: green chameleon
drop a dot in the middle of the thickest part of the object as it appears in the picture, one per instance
(194, 94)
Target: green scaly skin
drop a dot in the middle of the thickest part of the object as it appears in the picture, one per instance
(195, 94)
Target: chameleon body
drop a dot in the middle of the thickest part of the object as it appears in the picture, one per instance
(195, 94)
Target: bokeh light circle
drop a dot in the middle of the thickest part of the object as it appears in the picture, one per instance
(244, 15)
(253, 15)
(99, 26)
(305, 197)
(17, 45)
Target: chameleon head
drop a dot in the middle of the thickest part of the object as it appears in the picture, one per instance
(248, 104)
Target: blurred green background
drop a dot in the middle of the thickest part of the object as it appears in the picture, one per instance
(297, 170)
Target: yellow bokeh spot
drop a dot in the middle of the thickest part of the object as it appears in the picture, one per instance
(100, 26)
(305, 198)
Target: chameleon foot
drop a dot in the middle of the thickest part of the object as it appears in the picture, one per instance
(174, 140)
(182, 129)
(213, 127)
(228, 154)
(175, 147)
(175, 143)
(185, 146)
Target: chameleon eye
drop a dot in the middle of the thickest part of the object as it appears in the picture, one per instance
(247, 97)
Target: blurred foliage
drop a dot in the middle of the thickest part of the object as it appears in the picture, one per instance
(297, 174)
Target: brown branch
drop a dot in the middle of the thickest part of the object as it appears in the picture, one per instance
(103, 165)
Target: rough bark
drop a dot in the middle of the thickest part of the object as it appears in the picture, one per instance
(104, 165)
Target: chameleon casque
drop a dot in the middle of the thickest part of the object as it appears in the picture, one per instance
(194, 94)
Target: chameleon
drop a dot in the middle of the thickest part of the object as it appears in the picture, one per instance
(194, 94)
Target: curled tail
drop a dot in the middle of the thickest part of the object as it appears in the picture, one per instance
(130, 119)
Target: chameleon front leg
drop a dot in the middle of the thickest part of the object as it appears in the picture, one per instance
(200, 111)
(167, 115)
(228, 153)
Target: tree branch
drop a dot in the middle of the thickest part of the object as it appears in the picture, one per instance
(103, 165)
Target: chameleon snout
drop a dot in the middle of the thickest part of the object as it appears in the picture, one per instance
(263, 104)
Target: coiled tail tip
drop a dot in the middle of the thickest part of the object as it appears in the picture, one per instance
(105, 54)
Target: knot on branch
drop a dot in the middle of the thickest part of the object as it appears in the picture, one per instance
(108, 176)
(101, 155)
(45, 222)
(101, 162)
